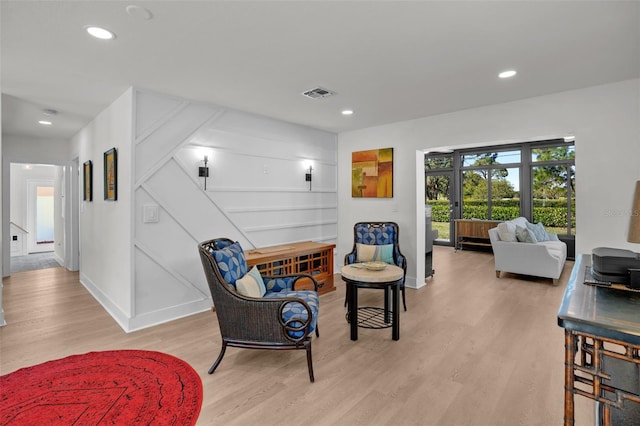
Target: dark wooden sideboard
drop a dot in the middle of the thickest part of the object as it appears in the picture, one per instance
(602, 348)
(308, 257)
(473, 232)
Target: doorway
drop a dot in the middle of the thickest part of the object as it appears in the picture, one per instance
(438, 189)
(36, 216)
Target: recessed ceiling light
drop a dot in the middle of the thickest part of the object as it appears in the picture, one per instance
(101, 33)
(347, 112)
(507, 74)
(45, 122)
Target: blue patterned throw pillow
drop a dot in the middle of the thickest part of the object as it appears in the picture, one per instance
(231, 262)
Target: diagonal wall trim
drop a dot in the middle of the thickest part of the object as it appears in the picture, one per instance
(156, 258)
(289, 226)
(160, 122)
(249, 153)
(156, 198)
(152, 170)
(279, 209)
(265, 189)
(195, 181)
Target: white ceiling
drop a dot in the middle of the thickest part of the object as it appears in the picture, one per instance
(389, 61)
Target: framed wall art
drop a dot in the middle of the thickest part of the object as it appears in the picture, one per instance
(372, 173)
(111, 175)
(88, 180)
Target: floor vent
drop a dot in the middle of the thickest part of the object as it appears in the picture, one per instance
(318, 93)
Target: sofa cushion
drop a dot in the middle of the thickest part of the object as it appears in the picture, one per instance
(231, 262)
(374, 253)
(251, 284)
(507, 232)
(295, 312)
(538, 231)
(520, 221)
(524, 235)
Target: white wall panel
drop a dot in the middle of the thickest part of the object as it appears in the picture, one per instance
(168, 135)
(256, 194)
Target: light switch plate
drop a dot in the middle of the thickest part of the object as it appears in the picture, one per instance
(150, 213)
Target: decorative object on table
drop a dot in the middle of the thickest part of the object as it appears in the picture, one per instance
(525, 254)
(377, 242)
(273, 315)
(111, 175)
(619, 265)
(87, 173)
(124, 387)
(589, 279)
(375, 266)
(372, 173)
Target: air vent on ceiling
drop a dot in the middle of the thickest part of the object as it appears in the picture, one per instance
(318, 93)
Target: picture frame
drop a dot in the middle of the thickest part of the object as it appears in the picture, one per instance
(88, 180)
(111, 175)
(372, 173)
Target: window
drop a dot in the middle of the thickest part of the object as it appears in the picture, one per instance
(553, 188)
(490, 189)
(533, 179)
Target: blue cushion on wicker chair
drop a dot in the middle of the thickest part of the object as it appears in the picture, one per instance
(296, 311)
(231, 262)
(380, 235)
(276, 285)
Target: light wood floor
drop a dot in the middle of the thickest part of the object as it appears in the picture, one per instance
(473, 350)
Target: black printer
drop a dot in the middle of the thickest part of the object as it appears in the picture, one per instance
(616, 266)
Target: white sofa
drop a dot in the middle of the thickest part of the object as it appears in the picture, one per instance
(540, 258)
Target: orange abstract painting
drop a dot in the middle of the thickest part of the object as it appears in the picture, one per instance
(372, 173)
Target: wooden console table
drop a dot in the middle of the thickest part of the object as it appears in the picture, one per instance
(602, 348)
(315, 259)
(473, 232)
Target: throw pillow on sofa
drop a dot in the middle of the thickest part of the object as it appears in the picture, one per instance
(524, 235)
(507, 232)
(538, 231)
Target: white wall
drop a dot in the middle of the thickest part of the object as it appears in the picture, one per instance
(106, 228)
(604, 119)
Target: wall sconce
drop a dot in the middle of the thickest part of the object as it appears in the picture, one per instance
(307, 176)
(204, 171)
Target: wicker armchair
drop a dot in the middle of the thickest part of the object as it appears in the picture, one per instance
(379, 234)
(284, 318)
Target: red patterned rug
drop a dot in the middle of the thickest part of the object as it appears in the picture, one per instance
(127, 387)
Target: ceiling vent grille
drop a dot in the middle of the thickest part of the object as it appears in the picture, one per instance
(318, 93)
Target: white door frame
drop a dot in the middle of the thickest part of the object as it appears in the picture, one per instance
(72, 216)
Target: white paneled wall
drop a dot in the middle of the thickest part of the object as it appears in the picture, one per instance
(256, 194)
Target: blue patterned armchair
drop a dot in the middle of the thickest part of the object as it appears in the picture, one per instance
(378, 241)
(281, 318)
